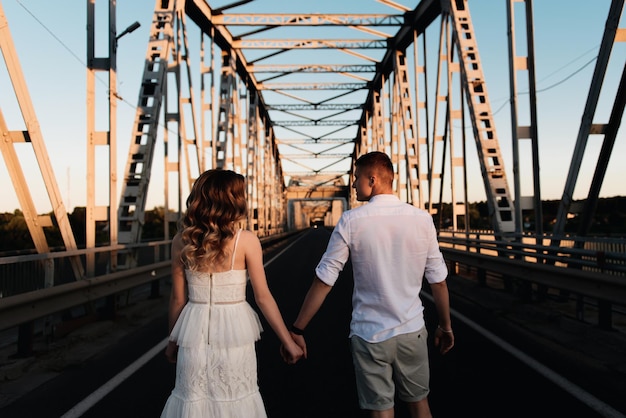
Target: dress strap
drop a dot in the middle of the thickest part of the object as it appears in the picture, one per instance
(232, 262)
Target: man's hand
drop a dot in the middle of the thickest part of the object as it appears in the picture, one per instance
(292, 352)
(299, 340)
(444, 339)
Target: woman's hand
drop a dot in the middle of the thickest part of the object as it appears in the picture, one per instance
(291, 352)
(171, 351)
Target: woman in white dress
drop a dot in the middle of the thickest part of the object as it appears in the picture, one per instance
(213, 329)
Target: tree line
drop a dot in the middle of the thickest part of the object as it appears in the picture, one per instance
(15, 237)
(609, 220)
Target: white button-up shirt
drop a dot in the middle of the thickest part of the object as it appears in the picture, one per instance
(392, 246)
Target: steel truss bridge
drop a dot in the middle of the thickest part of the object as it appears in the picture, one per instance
(290, 100)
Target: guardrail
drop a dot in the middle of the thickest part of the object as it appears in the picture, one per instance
(588, 269)
(33, 272)
(588, 283)
(66, 292)
(30, 306)
(596, 273)
(605, 255)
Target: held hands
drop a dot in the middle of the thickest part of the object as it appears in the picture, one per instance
(291, 352)
(297, 345)
(444, 339)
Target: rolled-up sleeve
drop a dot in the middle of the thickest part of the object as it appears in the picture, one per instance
(336, 255)
(436, 269)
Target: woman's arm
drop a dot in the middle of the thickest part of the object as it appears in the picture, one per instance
(178, 295)
(263, 296)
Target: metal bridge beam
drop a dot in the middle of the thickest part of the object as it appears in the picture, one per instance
(33, 136)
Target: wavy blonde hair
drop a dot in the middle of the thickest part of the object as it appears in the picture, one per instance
(217, 199)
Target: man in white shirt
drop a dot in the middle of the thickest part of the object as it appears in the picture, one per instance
(392, 246)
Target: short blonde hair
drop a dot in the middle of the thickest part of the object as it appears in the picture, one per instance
(376, 162)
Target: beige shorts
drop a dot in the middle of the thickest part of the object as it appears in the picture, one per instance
(401, 361)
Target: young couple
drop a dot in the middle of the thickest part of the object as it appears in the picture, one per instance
(392, 246)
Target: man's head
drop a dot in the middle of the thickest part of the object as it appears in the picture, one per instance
(373, 175)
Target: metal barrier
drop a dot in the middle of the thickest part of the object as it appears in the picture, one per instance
(25, 297)
(598, 270)
(587, 269)
(33, 272)
(38, 286)
(603, 255)
(30, 306)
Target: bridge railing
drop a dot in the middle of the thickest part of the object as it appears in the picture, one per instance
(32, 272)
(591, 272)
(599, 254)
(27, 303)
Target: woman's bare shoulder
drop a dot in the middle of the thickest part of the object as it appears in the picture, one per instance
(248, 238)
(177, 241)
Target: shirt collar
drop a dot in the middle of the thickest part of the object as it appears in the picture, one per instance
(383, 198)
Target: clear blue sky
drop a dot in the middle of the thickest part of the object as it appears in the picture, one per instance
(50, 37)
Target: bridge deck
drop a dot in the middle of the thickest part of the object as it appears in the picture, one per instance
(323, 385)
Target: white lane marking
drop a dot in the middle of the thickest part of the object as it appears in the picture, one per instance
(284, 249)
(576, 391)
(83, 406)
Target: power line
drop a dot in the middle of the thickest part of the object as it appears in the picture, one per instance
(563, 80)
(52, 34)
(104, 83)
(568, 77)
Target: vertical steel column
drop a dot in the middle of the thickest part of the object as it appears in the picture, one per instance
(171, 164)
(520, 63)
(586, 126)
(378, 119)
(395, 151)
(456, 162)
(207, 101)
(186, 102)
(251, 158)
(107, 139)
(268, 178)
(239, 122)
(421, 106)
(439, 130)
(145, 128)
(493, 172)
(409, 181)
(227, 111)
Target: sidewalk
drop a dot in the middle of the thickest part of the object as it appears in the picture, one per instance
(51, 358)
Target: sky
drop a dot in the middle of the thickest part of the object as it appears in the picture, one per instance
(50, 39)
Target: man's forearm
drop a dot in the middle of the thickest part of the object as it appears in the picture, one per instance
(312, 302)
(442, 303)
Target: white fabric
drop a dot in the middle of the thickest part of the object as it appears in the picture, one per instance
(392, 246)
(216, 369)
(217, 312)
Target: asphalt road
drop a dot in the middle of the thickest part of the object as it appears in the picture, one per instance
(478, 378)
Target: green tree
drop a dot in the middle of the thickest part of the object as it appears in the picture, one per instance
(14, 232)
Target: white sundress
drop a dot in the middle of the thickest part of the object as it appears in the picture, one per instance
(216, 367)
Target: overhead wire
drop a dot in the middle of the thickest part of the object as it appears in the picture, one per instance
(563, 80)
(83, 63)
